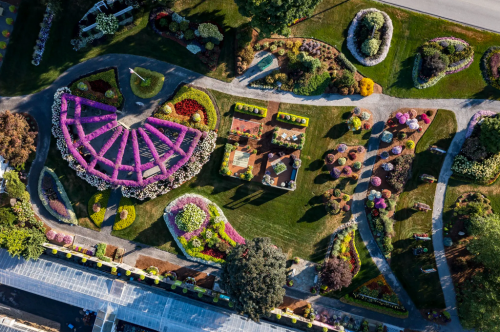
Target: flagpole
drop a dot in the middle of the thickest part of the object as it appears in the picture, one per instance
(133, 72)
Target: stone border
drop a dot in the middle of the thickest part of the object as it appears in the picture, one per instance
(386, 40)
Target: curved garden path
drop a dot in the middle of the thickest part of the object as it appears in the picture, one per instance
(39, 105)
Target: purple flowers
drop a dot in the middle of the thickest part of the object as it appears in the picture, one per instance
(59, 237)
(397, 149)
(341, 148)
(231, 232)
(51, 235)
(376, 181)
(68, 239)
(335, 173)
(380, 203)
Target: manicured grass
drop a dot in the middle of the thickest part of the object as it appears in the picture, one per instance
(140, 40)
(79, 192)
(295, 221)
(331, 22)
(424, 289)
(368, 270)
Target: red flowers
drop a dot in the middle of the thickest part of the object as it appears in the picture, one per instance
(214, 252)
(188, 107)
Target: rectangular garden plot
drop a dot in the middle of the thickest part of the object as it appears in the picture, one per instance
(293, 119)
(246, 128)
(288, 138)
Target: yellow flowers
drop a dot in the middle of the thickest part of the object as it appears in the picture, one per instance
(366, 87)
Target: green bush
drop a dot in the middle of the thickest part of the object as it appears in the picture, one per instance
(184, 25)
(125, 204)
(14, 186)
(173, 26)
(102, 198)
(190, 218)
(209, 46)
(347, 80)
(490, 134)
(145, 92)
(101, 252)
(370, 46)
(348, 64)
(309, 62)
(316, 85)
(189, 34)
(209, 30)
(6, 216)
(373, 19)
(109, 77)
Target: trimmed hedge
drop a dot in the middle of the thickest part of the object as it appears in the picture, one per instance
(291, 117)
(187, 92)
(371, 306)
(252, 107)
(102, 198)
(150, 91)
(348, 64)
(101, 251)
(108, 76)
(125, 204)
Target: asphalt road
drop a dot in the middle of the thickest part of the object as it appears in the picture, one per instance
(479, 13)
(18, 304)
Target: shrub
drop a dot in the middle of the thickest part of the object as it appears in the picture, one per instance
(370, 204)
(330, 158)
(410, 144)
(100, 198)
(370, 46)
(9, 21)
(209, 46)
(125, 205)
(12, 9)
(273, 48)
(434, 64)
(6, 33)
(376, 181)
(373, 20)
(14, 186)
(336, 274)
(347, 80)
(357, 165)
(184, 25)
(209, 30)
(68, 255)
(316, 85)
(148, 91)
(68, 239)
(99, 264)
(257, 47)
(51, 235)
(190, 218)
(398, 176)
(337, 193)
(108, 24)
(346, 198)
(189, 34)
(173, 26)
(490, 134)
(341, 161)
(281, 52)
(17, 141)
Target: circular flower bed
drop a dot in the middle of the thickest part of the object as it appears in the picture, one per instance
(190, 218)
(490, 66)
(359, 40)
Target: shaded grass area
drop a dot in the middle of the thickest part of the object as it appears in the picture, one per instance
(140, 40)
(424, 289)
(368, 270)
(331, 21)
(295, 221)
(79, 191)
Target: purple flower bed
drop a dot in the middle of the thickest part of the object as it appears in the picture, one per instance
(178, 208)
(475, 119)
(233, 234)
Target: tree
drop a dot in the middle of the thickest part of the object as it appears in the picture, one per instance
(434, 64)
(274, 16)
(14, 186)
(16, 141)
(486, 231)
(253, 277)
(336, 274)
(25, 242)
(490, 134)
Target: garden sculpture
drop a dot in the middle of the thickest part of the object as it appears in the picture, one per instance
(428, 270)
(421, 206)
(428, 178)
(435, 149)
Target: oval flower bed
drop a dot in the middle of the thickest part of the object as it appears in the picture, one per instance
(200, 229)
(440, 57)
(54, 198)
(490, 66)
(370, 47)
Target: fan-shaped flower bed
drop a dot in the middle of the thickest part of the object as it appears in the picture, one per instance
(106, 154)
(125, 215)
(150, 84)
(95, 86)
(187, 102)
(207, 236)
(370, 47)
(97, 206)
(490, 66)
(440, 57)
(54, 198)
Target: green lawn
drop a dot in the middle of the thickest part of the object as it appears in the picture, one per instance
(140, 40)
(78, 190)
(295, 221)
(331, 22)
(424, 289)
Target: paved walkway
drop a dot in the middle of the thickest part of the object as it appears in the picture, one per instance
(111, 210)
(381, 106)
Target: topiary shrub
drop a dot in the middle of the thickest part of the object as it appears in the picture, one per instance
(373, 20)
(370, 46)
(341, 161)
(337, 193)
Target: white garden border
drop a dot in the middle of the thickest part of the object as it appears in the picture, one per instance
(386, 41)
(168, 212)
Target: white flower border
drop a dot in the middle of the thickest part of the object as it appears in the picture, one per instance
(166, 214)
(386, 41)
(200, 157)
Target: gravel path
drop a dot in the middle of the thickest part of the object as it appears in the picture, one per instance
(381, 106)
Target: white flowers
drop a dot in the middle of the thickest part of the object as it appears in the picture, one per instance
(108, 24)
(386, 40)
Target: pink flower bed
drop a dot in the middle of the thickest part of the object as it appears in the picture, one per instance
(178, 208)
(231, 232)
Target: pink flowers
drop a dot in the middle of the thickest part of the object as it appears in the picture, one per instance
(68, 239)
(59, 237)
(425, 118)
(376, 181)
(402, 118)
(233, 234)
(51, 235)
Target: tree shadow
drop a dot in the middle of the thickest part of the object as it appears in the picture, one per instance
(337, 131)
(313, 214)
(315, 165)
(404, 78)
(322, 178)
(404, 214)
(320, 248)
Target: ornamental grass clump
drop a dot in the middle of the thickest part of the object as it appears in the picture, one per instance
(190, 218)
